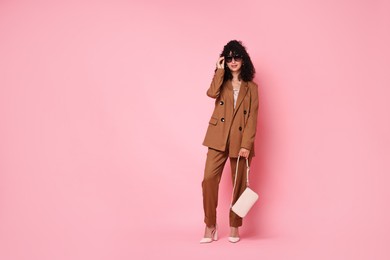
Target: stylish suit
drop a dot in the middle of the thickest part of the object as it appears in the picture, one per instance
(229, 130)
(239, 124)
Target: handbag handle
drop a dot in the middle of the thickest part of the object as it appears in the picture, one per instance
(235, 177)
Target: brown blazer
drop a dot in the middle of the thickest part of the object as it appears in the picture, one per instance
(236, 125)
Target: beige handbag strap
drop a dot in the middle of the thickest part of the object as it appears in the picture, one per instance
(235, 177)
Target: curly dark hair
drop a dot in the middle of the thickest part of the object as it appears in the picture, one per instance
(247, 69)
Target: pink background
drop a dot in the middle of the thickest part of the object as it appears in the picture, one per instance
(103, 111)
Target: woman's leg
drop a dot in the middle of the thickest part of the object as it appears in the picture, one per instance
(212, 176)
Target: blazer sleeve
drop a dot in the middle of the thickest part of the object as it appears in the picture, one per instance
(216, 84)
(249, 132)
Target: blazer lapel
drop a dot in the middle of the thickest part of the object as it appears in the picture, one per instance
(241, 95)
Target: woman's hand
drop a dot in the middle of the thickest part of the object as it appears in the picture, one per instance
(244, 153)
(221, 63)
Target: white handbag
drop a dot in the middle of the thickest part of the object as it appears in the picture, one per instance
(247, 199)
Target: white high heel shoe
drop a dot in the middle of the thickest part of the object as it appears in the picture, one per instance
(234, 239)
(214, 237)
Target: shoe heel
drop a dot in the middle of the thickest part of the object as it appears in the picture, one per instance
(215, 235)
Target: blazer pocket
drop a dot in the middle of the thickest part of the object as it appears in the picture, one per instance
(213, 121)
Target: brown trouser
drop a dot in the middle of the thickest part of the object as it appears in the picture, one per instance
(215, 163)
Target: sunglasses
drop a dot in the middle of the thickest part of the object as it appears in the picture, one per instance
(237, 58)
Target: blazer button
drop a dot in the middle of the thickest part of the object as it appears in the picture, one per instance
(244, 112)
(223, 119)
(221, 102)
(240, 128)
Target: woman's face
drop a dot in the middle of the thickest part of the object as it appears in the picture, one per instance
(234, 62)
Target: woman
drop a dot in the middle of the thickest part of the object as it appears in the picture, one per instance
(231, 132)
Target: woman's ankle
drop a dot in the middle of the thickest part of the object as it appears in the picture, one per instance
(234, 232)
